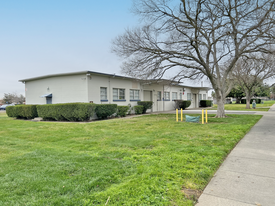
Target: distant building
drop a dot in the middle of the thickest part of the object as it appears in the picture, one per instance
(101, 88)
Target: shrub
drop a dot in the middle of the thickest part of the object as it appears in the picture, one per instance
(22, 111)
(105, 110)
(205, 103)
(138, 109)
(182, 104)
(68, 111)
(258, 101)
(146, 105)
(11, 112)
(122, 110)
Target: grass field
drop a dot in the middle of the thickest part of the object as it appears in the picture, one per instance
(148, 160)
(259, 107)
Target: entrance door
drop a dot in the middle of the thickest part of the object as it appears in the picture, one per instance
(194, 101)
(147, 96)
(48, 100)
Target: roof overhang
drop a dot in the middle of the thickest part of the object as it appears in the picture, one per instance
(47, 95)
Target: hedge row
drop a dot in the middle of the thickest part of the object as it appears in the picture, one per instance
(258, 101)
(122, 110)
(66, 112)
(74, 111)
(105, 110)
(22, 111)
(138, 109)
(182, 104)
(205, 103)
(146, 105)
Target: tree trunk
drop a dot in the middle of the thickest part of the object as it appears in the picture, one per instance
(247, 103)
(238, 100)
(248, 98)
(220, 110)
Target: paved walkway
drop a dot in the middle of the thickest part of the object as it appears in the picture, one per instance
(247, 176)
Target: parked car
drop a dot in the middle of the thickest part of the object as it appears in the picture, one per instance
(3, 107)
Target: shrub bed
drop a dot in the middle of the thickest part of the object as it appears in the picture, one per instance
(205, 103)
(258, 101)
(146, 105)
(68, 111)
(122, 110)
(22, 111)
(105, 110)
(138, 109)
(182, 104)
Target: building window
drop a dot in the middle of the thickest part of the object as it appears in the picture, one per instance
(189, 96)
(174, 95)
(180, 95)
(166, 96)
(204, 96)
(159, 96)
(134, 94)
(118, 94)
(200, 97)
(103, 93)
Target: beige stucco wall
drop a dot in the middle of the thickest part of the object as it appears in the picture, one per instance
(64, 89)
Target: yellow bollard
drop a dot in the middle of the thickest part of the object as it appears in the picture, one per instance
(181, 115)
(177, 115)
(202, 116)
(206, 116)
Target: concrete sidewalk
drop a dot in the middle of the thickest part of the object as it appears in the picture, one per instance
(247, 176)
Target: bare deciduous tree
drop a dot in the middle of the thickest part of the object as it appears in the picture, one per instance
(250, 72)
(13, 98)
(197, 38)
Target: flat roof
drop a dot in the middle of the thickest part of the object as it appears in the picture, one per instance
(149, 81)
(73, 73)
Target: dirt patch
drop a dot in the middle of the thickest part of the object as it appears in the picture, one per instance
(192, 194)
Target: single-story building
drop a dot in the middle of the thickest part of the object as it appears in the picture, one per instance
(101, 88)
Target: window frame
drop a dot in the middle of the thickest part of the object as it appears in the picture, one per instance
(174, 94)
(104, 99)
(159, 96)
(189, 99)
(119, 96)
(133, 96)
(164, 96)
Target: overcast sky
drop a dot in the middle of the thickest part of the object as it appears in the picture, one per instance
(40, 37)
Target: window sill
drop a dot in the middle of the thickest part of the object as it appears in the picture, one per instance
(119, 100)
(104, 100)
(134, 100)
(166, 100)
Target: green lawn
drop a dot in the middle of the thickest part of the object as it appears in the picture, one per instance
(146, 160)
(259, 107)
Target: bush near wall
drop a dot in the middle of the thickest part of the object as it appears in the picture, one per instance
(105, 110)
(122, 110)
(146, 105)
(182, 104)
(205, 103)
(66, 112)
(138, 109)
(22, 111)
(258, 101)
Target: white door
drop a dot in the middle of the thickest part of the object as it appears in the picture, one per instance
(194, 101)
(147, 96)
